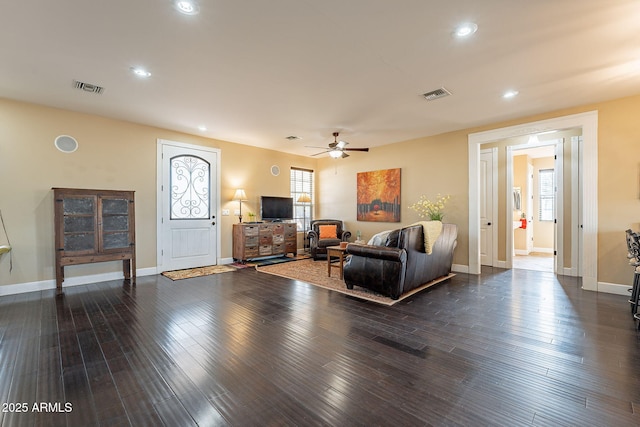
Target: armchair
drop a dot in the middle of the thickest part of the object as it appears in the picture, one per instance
(323, 233)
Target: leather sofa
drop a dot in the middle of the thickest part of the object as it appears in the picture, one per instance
(318, 243)
(402, 264)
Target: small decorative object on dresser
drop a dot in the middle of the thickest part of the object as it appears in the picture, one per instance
(264, 239)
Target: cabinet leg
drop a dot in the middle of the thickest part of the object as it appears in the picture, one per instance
(59, 278)
(126, 268)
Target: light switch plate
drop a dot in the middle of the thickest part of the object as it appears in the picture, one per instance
(225, 212)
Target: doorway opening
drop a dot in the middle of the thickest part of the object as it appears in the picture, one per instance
(534, 176)
(584, 221)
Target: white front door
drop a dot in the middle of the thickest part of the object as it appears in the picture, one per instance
(486, 196)
(188, 206)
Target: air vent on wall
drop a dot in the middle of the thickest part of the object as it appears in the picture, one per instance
(88, 87)
(436, 94)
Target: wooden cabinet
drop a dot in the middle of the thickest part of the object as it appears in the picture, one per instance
(255, 240)
(94, 226)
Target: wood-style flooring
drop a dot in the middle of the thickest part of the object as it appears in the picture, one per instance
(506, 348)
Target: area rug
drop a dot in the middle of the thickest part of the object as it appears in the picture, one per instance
(315, 273)
(277, 260)
(197, 272)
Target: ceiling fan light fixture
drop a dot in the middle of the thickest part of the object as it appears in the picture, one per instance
(336, 154)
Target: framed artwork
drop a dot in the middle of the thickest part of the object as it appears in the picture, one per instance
(378, 195)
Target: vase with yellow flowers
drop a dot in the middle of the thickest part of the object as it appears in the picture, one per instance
(431, 210)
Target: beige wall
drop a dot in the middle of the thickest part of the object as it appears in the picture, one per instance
(111, 155)
(439, 164)
(429, 166)
(116, 154)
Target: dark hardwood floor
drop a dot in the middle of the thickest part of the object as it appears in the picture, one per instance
(507, 348)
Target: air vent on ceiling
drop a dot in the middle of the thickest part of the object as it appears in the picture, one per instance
(436, 94)
(88, 87)
(292, 137)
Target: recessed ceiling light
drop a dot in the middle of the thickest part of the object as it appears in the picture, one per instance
(188, 7)
(140, 72)
(465, 30)
(202, 128)
(510, 94)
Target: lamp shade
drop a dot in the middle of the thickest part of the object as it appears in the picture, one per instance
(304, 198)
(240, 195)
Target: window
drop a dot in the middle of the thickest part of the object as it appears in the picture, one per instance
(189, 182)
(301, 184)
(546, 195)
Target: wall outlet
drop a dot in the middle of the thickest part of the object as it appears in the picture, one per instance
(225, 212)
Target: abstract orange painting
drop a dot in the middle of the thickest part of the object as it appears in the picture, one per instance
(378, 195)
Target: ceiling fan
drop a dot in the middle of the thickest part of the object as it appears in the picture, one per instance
(337, 148)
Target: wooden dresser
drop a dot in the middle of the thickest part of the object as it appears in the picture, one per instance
(255, 240)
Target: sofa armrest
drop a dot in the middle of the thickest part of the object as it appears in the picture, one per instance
(312, 235)
(346, 235)
(377, 252)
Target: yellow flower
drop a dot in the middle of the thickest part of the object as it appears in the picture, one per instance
(431, 210)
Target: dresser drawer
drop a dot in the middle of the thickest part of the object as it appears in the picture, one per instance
(251, 241)
(251, 230)
(265, 250)
(251, 251)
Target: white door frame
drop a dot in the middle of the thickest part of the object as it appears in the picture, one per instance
(576, 190)
(159, 179)
(589, 123)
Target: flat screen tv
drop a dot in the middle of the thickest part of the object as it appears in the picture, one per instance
(274, 208)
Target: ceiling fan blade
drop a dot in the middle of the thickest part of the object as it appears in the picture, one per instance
(333, 145)
(356, 149)
(322, 152)
(313, 146)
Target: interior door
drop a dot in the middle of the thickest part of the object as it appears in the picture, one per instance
(487, 195)
(189, 205)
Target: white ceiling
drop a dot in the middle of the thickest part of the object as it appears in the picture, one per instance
(254, 72)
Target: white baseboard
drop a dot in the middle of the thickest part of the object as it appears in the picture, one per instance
(44, 285)
(614, 288)
(521, 252)
(543, 250)
(459, 268)
(223, 261)
(500, 264)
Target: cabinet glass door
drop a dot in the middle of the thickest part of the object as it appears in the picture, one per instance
(115, 223)
(79, 224)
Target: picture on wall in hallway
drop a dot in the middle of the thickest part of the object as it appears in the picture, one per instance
(378, 195)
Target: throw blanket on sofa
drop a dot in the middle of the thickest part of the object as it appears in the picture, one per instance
(430, 230)
(380, 238)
